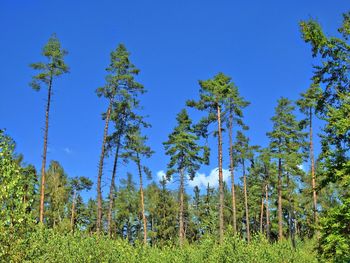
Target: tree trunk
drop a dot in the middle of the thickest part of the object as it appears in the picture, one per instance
(221, 186)
(142, 202)
(181, 216)
(279, 188)
(233, 195)
(313, 175)
(73, 211)
(267, 212)
(246, 203)
(43, 165)
(100, 170)
(290, 213)
(112, 188)
(262, 212)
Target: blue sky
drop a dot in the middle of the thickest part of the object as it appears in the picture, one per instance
(173, 43)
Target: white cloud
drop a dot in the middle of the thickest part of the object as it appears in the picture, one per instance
(67, 150)
(302, 167)
(201, 180)
(162, 175)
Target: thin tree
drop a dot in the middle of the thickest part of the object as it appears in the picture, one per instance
(120, 83)
(213, 95)
(243, 152)
(186, 156)
(136, 148)
(286, 140)
(48, 71)
(78, 184)
(235, 105)
(307, 105)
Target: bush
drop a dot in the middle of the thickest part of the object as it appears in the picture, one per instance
(46, 245)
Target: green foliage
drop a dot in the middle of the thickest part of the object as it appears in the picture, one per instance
(16, 198)
(49, 246)
(186, 155)
(54, 67)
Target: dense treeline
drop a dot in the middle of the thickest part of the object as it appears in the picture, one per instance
(276, 200)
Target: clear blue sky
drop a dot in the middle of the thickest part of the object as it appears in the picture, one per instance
(174, 43)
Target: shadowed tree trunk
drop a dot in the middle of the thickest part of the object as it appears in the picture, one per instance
(246, 202)
(100, 170)
(43, 165)
(72, 218)
(279, 189)
(181, 216)
(234, 218)
(221, 187)
(313, 175)
(262, 212)
(267, 211)
(112, 188)
(144, 220)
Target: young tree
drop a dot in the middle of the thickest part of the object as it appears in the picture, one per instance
(120, 83)
(235, 105)
(186, 156)
(53, 68)
(213, 95)
(243, 152)
(135, 149)
(78, 184)
(57, 192)
(286, 141)
(307, 105)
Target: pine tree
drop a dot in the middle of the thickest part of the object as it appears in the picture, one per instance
(307, 105)
(78, 184)
(135, 149)
(235, 105)
(332, 74)
(186, 156)
(120, 84)
(286, 141)
(213, 95)
(244, 152)
(53, 68)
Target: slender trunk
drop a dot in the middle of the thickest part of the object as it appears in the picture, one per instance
(290, 213)
(233, 195)
(73, 211)
(313, 175)
(181, 216)
(112, 188)
(267, 211)
(142, 202)
(221, 187)
(43, 164)
(262, 212)
(246, 203)
(279, 189)
(100, 170)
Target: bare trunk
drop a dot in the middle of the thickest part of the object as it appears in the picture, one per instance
(290, 213)
(313, 175)
(181, 216)
(100, 170)
(112, 189)
(72, 218)
(261, 213)
(43, 165)
(142, 202)
(279, 188)
(233, 195)
(221, 187)
(246, 203)
(267, 211)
